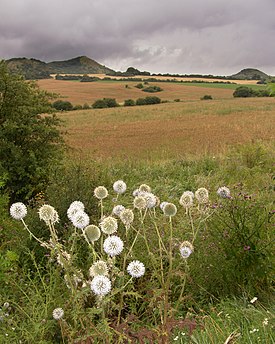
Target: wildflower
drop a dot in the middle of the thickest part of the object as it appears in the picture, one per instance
(246, 248)
(58, 313)
(162, 204)
(140, 202)
(118, 209)
(253, 300)
(136, 192)
(73, 208)
(170, 209)
(92, 233)
(202, 195)
(265, 322)
(136, 269)
(48, 214)
(151, 200)
(119, 186)
(80, 219)
(109, 225)
(113, 245)
(18, 211)
(127, 217)
(223, 192)
(65, 256)
(101, 192)
(254, 330)
(101, 285)
(187, 199)
(99, 268)
(186, 248)
(144, 188)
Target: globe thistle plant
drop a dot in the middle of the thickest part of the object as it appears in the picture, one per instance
(113, 245)
(169, 209)
(187, 199)
(223, 192)
(92, 233)
(101, 285)
(144, 188)
(18, 210)
(73, 208)
(58, 313)
(48, 214)
(186, 248)
(127, 217)
(109, 225)
(99, 268)
(119, 186)
(100, 192)
(136, 269)
(140, 202)
(118, 209)
(80, 219)
(202, 195)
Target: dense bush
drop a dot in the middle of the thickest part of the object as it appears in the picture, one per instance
(148, 101)
(129, 102)
(245, 92)
(206, 97)
(140, 85)
(152, 89)
(62, 105)
(105, 103)
(29, 143)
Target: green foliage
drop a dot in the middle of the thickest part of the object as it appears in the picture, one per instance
(129, 102)
(29, 142)
(206, 97)
(62, 105)
(148, 101)
(140, 86)
(105, 103)
(245, 92)
(86, 106)
(152, 89)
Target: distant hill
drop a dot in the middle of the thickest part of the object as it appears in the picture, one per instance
(36, 69)
(78, 65)
(250, 74)
(30, 68)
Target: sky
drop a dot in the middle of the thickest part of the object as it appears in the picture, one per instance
(218, 37)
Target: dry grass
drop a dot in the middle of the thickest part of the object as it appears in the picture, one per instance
(172, 129)
(88, 92)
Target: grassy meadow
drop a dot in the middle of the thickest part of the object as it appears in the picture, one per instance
(209, 266)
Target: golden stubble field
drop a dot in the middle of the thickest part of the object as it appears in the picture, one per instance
(88, 92)
(170, 130)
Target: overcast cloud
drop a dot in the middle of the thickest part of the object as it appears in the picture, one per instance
(175, 36)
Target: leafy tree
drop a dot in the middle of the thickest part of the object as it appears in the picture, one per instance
(30, 141)
(104, 103)
(63, 105)
(129, 102)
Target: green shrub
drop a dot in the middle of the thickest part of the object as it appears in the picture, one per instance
(129, 102)
(206, 97)
(140, 86)
(105, 103)
(86, 106)
(152, 100)
(177, 100)
(78, 107)
(245, 92)
(62, 105)
(152, 89)
(141, 101)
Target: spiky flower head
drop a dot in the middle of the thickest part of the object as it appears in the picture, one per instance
(100, 192)
(136, 192)
(18, 210)
(223, 192)
(162, 204)
(73, 208)
(101, 285)
(80, 219)
(169, 209)
(127, 217)
(48, 214)
(139, 202)
(202, 195)
(118, 209)
(186, 248)
(144, 188)
(187, 199)
(113, 245)
(136, 269)
(63, 257)
(119, 186)
(109, 225)
(151, 199)
(58, 313)
(92, 233)
(99, 268)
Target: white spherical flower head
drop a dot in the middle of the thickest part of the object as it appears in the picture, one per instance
(140, 202)
(162, 204)
(119, 186)
(80, 219)
(18, 210)
(169, 209)
(127, 217)
(101, 192)
(92, 233)
(151, 199)
(223, 192)
(136, 269)
(186, 248)
(99, 268)
(118, 209)
(48, 214)
(109, 225)
(113, 245)
(58, 313)
(74, 207)
(187, 199)
(202, 195)
(136, 192)
(144, 188)
(101, 285)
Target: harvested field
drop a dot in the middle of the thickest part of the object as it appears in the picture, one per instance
(174, 129)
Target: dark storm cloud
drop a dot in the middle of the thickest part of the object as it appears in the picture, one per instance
(176, 36)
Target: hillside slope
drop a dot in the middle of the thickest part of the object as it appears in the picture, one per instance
(30, 68)
(249, 74)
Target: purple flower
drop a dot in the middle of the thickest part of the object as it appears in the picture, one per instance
(246, 248)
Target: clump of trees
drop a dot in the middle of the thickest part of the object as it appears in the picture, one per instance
(148, 101)
(105, 103)
(30, 141)
(152, 89)
(62, 105)
(245, 92)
